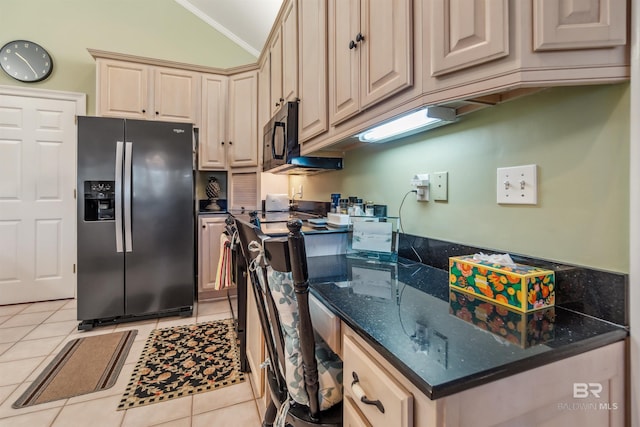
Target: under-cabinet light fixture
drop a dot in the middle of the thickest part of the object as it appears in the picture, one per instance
(418, 121)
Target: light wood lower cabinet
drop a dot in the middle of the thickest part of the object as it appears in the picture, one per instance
(210, 230)
(542, 396)
(363, 376)
(255, 344)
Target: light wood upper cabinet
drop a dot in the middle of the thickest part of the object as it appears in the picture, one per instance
(213, 139)
(123, 89)
(312, 68)
(370, 53)
(283, 58)
(228, 135)
(467, 33)
(264, 100)
(571, 24)
(243, 119)
(387, 54)
(139, 91)
(290, 51)
(275, 71)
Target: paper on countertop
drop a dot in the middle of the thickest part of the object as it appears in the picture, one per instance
(502, 259)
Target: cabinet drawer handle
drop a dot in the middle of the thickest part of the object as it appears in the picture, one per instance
(358, 391)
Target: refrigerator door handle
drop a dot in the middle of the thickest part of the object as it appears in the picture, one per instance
(118, 195)
(128, 243)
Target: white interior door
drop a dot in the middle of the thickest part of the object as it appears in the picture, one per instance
(37, 204)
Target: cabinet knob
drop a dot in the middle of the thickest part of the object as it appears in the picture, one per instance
(144, 111)
(157, 113)
(230, 142)
(352, 44)
(281, 99)
(277, 104)
(204, 226)
(221, 142)
(359, 37)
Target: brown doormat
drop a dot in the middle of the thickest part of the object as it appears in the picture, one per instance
(84, 365)
(184, 360)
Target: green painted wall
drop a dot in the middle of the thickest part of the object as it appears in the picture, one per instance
(578, 137)
(159, 29)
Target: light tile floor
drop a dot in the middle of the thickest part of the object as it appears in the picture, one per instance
(32, 334)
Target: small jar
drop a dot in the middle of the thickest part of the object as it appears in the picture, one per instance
(368, 208)
(344, 206)
(358, 209)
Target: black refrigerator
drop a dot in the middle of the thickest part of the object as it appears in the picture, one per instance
(135, 224)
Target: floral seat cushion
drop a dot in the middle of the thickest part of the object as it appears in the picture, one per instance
(329, 364)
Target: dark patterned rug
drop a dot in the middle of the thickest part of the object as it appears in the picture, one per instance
(182, 361)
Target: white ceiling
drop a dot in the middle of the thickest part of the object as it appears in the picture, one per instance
(246, 22)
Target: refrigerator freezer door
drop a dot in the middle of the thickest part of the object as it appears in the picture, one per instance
(100, 266)
(159, 272)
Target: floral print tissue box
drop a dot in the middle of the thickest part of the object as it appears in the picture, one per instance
(521, 287)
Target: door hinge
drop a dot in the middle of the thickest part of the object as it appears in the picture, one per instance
(74, 269)
(74, 194)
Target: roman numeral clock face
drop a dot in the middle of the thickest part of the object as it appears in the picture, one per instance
(25, 61)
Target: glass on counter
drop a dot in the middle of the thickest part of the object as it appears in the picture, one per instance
(374, 238)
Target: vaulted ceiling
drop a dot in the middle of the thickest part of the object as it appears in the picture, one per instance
(246, 22)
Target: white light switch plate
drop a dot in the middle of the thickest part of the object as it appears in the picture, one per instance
(517, 185)
(439, 186)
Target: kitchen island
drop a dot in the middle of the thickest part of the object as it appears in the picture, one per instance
(445, 346)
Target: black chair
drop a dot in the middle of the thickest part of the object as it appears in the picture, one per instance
(284, 255)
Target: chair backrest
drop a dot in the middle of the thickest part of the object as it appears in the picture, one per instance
(283, 254)
(267, 311)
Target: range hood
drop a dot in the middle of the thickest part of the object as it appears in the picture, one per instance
(307, 165)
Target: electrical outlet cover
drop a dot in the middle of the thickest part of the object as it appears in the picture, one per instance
(439, 186)
(517, 185)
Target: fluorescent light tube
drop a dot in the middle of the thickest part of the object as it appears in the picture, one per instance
(409, 124)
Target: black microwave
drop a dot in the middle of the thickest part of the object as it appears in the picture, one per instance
(281, 147)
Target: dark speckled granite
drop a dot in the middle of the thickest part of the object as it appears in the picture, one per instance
(593, 292)
(402, 310)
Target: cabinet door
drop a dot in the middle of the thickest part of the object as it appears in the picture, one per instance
(344, 62)
(123, 90)
(209, 252)
(467, 33)
(376, 383)
(243, 119)
(570, 24)
(275, 59)
(351, 417)
(312, 71)
(255, 343)
(264, 95)
(212, 154)
(176, 95)
(290, 51)
(386, 50)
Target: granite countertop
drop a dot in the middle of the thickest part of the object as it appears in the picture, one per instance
(404, 311)
(275, 223)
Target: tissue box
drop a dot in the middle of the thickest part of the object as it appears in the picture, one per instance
(522, 329)
(522, 287)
